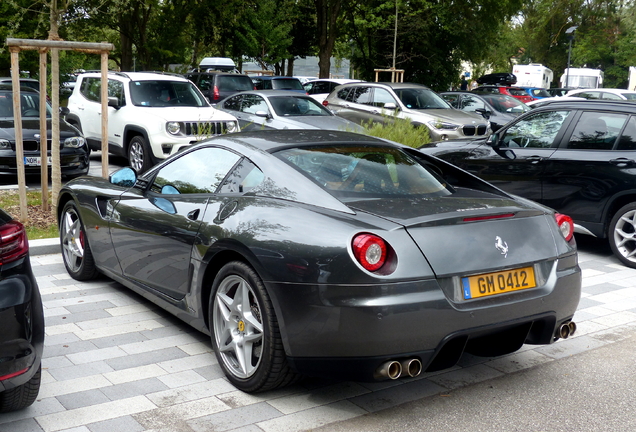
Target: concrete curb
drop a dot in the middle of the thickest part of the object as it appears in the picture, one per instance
(44, 246)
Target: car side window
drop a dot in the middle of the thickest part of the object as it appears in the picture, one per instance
(535, 131)
(610, 96)
(243, 178)
(199, 171)
(452, 99)
(589, 95)
(322, 87)
(596, 131)
(628, 138)
(360, 95)
(116, 89)
(253, 103)
(233, 103)
(382, 97)
(91, 88)
(471, 104)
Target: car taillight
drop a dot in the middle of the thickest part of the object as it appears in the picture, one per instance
(566, 225)
(325, 103)
(370, 251)
(13, 242)
(216, 95)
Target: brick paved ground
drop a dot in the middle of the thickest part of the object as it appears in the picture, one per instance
(114, 362)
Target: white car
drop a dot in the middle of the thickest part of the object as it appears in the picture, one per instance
(603, 93)
(150, 115)
(319, 89)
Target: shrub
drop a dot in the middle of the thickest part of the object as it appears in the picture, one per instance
(399, 130)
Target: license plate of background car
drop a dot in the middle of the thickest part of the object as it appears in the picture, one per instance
(489, 284)
(35, 160)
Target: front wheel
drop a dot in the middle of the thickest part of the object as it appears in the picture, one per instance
(140, 156)
(622, 234)
(76, 253)
(244, 331)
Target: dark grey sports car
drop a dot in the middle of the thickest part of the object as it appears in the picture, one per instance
(327, 253)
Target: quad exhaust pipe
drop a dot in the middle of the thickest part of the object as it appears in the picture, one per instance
(394, 369)
(566, 330)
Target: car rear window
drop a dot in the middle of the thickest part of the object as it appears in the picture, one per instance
(234, 83)
(287, 84)
(357, 171)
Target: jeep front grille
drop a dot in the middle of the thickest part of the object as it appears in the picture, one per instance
(204, 129)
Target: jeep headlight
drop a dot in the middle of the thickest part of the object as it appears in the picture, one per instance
(74, 142)
(5, 144)
(173, 128)
(443, 125)
(232, 127)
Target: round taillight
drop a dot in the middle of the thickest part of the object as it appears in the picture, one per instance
(370, 251)
(325, 103)
(566, 225)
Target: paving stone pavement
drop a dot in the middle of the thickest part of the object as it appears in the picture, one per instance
(115, 362)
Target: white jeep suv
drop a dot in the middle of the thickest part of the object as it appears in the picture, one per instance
(150, 115)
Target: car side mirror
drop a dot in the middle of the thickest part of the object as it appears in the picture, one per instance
(113, 102)
(263, 114)
(390, 106)
(64, 111)
(125, 177)
(484, 113)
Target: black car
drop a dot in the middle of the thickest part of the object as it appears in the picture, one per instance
(278, 83)
(499, 109)
(310, 252)
(216, 86)
(501, 78)
(578, 157)
(74, 152)
(21, 319)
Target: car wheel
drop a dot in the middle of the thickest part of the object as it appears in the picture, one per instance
(140, 157)
(21, 396)
(622, 234)
(76, 253)
(244, 331)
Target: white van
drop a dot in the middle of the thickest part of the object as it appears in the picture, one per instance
(533, 75)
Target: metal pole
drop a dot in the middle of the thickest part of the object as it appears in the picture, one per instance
(567, 72)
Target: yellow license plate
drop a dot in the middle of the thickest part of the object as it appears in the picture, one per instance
(489, 284)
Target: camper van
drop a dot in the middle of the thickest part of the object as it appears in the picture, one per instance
(222, 64)
(533, 75)
(582, 78)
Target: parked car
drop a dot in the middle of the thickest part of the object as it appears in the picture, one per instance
(556, 92)
(310, 252)
(24, 82)
(604, 93)
(217, 86)
(320, 89)
(278, 83)
(516, 92)
(381, 102)
(21, 319)
(150, 115)
(575, 157)
(74, 152)
(497, 108)
(280, 109)
(537, 92)
(545, 101)
(501, 78)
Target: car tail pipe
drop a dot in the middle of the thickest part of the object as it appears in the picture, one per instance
(565, 330)
(394, 369)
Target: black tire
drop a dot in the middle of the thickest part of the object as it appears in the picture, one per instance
(139, 154)
(21, 396)
(76, 252)
(254, 334)
(622, 234)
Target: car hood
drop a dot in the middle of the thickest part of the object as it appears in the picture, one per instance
(31, 127)
(469, 246)
(189, 113)
(319, 122)
(450, 115)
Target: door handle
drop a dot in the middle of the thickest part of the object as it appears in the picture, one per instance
(194, 214)
(534, 159)
(621, 162)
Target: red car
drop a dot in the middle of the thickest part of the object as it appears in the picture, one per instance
(516, 92)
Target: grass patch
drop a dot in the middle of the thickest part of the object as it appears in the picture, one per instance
(399, 130)
(40, 224)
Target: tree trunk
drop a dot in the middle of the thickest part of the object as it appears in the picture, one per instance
(290, 67)
(327, 12)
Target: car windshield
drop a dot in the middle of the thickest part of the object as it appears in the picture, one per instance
(287, 84)
(29, 103)
(362, 171)
(506, 104)
(297, 106)
(162, 93)
(421, 98)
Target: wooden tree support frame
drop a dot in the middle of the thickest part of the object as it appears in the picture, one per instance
(397, 75)
(54, 46)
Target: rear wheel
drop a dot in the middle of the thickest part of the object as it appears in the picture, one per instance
(140, 156)
(76, 253)
(622, 234)
(21, 396)
(245, 332)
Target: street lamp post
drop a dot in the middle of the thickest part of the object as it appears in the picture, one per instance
(570, 35)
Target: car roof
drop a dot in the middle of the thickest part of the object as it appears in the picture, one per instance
(23, 89)
(271, 93)
(401, 85)
(617, 105)
(269, 77)
(607, 90)
(334, 80)
(139, 76)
